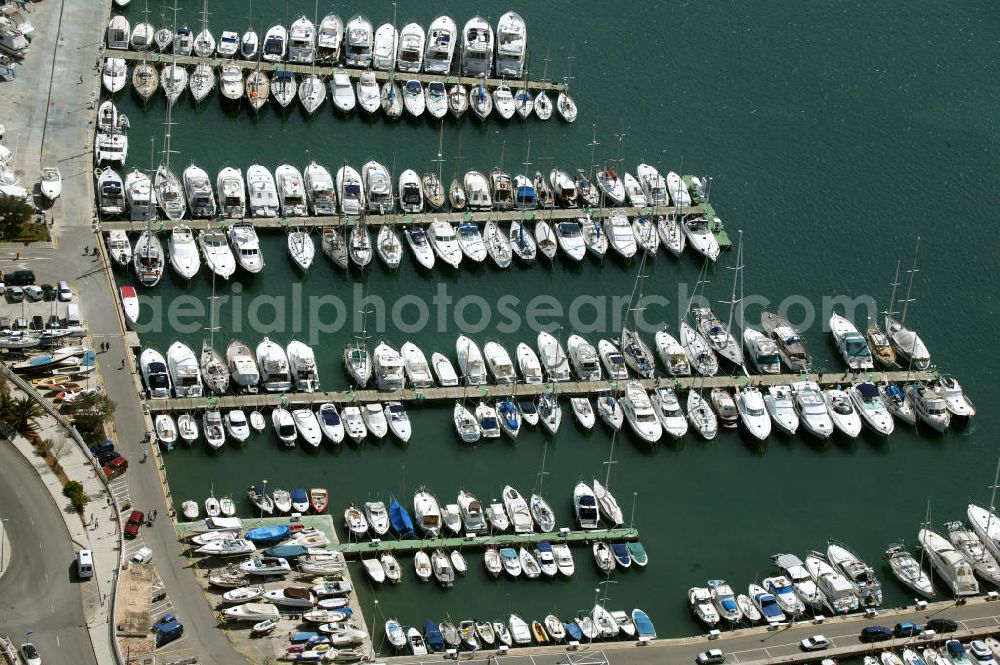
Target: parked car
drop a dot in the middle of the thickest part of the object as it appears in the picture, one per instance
(15, 294)
(875, 634)
(33, 292)
(102, 447)
(116, 467)
(65, 293)
(906, 629)
(815, 643)
(48, 292)
(167, 629)
(134, 523)
(19, 277)
(941, 626)
(711, 657)
(142, 555)
(30, 654)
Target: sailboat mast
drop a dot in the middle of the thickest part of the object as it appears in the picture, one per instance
(736, 274)
(892, 296)
(993, 496)
(909, 286)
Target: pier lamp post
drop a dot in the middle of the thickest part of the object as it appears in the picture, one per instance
(3, 537)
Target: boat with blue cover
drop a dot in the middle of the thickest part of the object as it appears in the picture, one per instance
(286, 551)
(432, 636)
(300, 500)
(573, 631)
(638, 554)
(265, 535)
(510, 418)
(643, 626)
(622, 557)
(400, 520)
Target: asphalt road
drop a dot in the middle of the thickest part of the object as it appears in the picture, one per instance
(39, 591)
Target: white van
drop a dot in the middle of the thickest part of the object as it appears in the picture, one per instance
(85, 564)
(72, 315)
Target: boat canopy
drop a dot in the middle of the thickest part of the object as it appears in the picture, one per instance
(401, 522)
(869, 391)
(433, 636)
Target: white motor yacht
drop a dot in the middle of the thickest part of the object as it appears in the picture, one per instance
(329, 39)
(273, 364)
(442, 35)
(230, 187)
(330, 423)
(477, 47)
(410, 51)
(611, 187)
(753, 412)
(320, 193)
(388, 367)
(198, 189)
(263, 192)
(284, 426)
(838, 592)
(763, 352)
(583, 356)
(703, 606)
(929, 407)
(418, 372)
(411, 196)
(183, 252)
(217, 253)
(154, 374)
(517, 510)
(436, 97)
(384, 45)
(275, 45)
(119, 248)
(246, 246)
(851, 343)
(610, 411)
(620, 236)
(868, 403)
(512, 44)
(375, 420)
(470, 361)
(236, 425)
(302, 41)
(229, 43)
(841, 409)
(477, 191)
(803, 584)
(499, 363)
(672, 354)
(612, 359)
(699, 235)
(811, 407)
(471, 241)
(553, 357)
(444, 370)
(781, 407)
(398, 420)
(570, 237)
(351, 190)
(445, 243)
(291, 191)
(784, 594)
(668, 409)
(342, 92)
(583, 412)
(302, 367)
(138, 197)
(368, 92)
(949, 564)
(243, 368)
(185, 372)
(588, 514)
(955, 399)
(639, 413)
(427, 513)
(354, 424)
(416, 238)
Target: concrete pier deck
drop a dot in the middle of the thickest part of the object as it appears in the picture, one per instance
(497, 540)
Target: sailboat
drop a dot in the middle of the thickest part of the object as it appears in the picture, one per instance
(357, 360)
(214, 370)
(905, 341)
(147, 256)
(716, 333)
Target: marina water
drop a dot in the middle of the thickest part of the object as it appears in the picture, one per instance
(835, 133)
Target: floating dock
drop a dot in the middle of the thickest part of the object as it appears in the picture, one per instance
(329, 70)
(498, 540)
(568, 388)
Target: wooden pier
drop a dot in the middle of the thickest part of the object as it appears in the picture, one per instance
(375, 547)
(565, 388)
(329, 70)
(478, 217)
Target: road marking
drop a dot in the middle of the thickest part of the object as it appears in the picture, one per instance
(58, 644)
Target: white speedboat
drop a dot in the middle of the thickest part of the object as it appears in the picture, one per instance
(388, 367)
(753, 412)
(320, 193)
(528, 363)
(275, 45)
(610, 411)
(958, 403)
(553, 357)
(444, 370)
(838, 593)
(949, 564)
(570, 237)
(185, 372)
(612, 359)
(620, 236)
(384, 47)
(342, 92)
(477, 191)
(183, 252)
(198, 189)
(418, 372)
(166, 430)
(249, 42)
(187, 429)
(585, 506)
(229, 44)
(213, 427)
(375, 420)
(811, 406)
(470, 361)
(230, 187)
(700, 237)
(703, 606)
(369, 98)
(668, 409)
(236, 425)
(639, 413)
(929, 407)
(517, 510)
(354, 424)
(246, 246)
(330, 423)
(414, 100)
(263, 192)
(784, 594)
(583, 356)
(781, 407)
(471, 241)
(898, 403)
(51, 183)
(398, 420)
(273, 364)
(851, 343)
(868, 403)
(841, 409)
(114, 74)
(411, 196)
(350, 188)
(422, 249)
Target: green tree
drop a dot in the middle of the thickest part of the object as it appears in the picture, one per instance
(14, 214)
(73, 491)
(21, 413)
(89, 414)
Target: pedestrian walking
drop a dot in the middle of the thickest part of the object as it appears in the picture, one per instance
(86, 250)
(123, 364)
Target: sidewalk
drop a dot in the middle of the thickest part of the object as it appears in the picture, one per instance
(5, 549)
(102, 539)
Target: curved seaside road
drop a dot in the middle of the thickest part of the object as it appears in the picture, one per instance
(38, 591)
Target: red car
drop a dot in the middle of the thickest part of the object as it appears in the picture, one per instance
(116, 467)
(135, 521)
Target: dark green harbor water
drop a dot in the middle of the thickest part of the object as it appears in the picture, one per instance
(836, 133)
